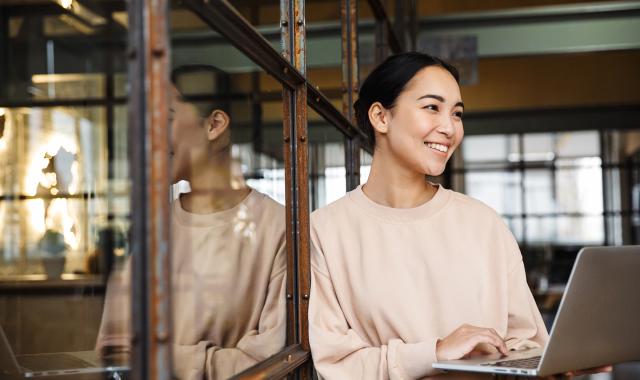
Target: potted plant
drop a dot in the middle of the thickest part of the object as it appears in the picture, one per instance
(53, 248)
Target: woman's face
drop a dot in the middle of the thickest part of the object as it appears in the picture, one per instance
(187, 135)
(425, 126)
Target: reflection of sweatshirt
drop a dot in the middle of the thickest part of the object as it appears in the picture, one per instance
(388, 282)
(228, 279)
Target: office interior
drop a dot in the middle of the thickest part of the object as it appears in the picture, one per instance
(552, 140)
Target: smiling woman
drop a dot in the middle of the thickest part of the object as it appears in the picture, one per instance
(410, 103)
(454, 283)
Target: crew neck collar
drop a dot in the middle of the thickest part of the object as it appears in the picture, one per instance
(217, 218)
(402, 215)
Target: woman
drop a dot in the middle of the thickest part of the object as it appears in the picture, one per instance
(406, 272)
(228, 259)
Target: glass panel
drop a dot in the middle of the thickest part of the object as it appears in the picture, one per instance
(581, 231)
(64, 187)
(366, 39)
(615, 181)
(327, 173)
(619, 145)
(578, 144)
(516, 225)
(58, 54)
(228, 214)
(614, 228)
(540, 230)
(579, 190)
(539, 146)
(324, 48)
(499, 190)
(489, 148)
(539, 194)
(565, 230)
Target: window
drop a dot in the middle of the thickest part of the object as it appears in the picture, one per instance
(547, 186)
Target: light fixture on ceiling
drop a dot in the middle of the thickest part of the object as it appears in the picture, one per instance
(66, 4)
(81, 12)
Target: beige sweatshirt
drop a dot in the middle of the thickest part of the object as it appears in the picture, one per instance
(386, 283)
(228, 274)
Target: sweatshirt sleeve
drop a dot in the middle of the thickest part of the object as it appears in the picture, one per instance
(113, 339)
(194, 362)
(340, 353)
(203, 358)
(525, 327)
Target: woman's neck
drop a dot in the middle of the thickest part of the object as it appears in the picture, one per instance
(212, 187)
(393, 185)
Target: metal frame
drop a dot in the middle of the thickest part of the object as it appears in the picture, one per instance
(148, 55)
(384, 30)
(149, 130)
(297, 177)
(350, 86)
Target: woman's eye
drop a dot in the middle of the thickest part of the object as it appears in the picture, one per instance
(458, 115)
(431, 107)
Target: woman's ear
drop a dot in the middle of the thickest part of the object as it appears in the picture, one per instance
(379, 118)
(217, 123)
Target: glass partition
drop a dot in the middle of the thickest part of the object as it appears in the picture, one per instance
(64, 188)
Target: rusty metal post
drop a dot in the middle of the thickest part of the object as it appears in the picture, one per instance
(297, 177)
(380, 42)
(385, 37)
(413, 25)
(400, 23)
(149, 139)
(350, 86)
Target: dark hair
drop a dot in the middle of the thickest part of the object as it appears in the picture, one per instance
(385, 83)
(221, 87)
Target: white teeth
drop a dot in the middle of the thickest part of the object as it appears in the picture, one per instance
(440, 147)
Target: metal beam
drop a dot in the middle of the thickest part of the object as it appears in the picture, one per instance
(350, 86)
(381, 15)
(149, 136)
(278, 366)
(226, 20)
(223, 18)
(296, 158)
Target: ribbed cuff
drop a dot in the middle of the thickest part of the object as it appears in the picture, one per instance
(416, 359)
(190, 361)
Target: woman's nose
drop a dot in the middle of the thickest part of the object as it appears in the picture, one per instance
(446, 126)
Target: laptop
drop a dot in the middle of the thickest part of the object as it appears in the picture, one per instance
(53, 364)
(596, 324)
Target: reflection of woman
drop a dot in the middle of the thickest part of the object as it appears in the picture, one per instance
(228, 264)
(406, 272)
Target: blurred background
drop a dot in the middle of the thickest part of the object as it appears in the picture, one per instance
(552, 123)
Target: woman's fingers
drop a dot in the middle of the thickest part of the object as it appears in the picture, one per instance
(489, 338)
(496, 339)
(467, 339)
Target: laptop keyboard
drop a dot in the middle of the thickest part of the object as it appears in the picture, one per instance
(528, 363)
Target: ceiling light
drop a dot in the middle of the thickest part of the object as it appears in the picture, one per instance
(66, 4)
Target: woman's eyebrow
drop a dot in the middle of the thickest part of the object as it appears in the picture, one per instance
(440, 99)
(436, 97)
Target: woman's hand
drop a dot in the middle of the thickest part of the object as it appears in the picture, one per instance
(468, 339)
